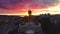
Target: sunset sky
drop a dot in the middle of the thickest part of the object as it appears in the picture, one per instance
(22, 6)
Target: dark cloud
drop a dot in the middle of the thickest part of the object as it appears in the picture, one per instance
(26, 3)
(9, 3)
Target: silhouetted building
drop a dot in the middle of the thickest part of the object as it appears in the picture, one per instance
(29, 12)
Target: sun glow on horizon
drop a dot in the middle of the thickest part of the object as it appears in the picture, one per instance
(52, 10)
